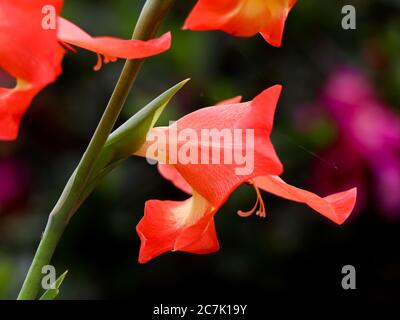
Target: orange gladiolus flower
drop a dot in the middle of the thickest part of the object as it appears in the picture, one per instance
(189, 225)
(242, 18)
(33, 54)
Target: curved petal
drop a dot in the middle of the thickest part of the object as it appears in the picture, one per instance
(210, 15)
(13, 104)
(336, 207)
(177, 226)
(237, 17)
(171, 174)
(215, 181)
(242, 18)
(241, 133)
(112, 47)
(263, 109)
(272, 32)
(233, 100)
(29, 53)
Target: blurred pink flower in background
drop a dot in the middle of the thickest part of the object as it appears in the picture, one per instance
(367, 149)
(14, 184)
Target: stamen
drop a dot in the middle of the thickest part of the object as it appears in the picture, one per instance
(99, 63)
(103, 59)
(245, 214)
(261, 212)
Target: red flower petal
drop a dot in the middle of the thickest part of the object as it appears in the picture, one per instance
(13, 104)
(171, 174)
(242, 17)
(273, 31)
(189, 226)
(30, 54)
(262, 111)
(215, 181)
(28, 51)
(336, 207)
(109, 46)
(178, 226)
(233, 100)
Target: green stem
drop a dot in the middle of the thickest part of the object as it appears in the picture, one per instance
(153, 13)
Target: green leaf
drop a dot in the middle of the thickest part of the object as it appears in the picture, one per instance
(129, 137)
(125, 140)
(51, 294)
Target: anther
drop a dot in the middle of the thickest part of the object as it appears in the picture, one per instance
(99, 63)
(261, 212)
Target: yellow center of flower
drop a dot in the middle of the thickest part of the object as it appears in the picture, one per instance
(253, 8)
(192, 210)
(22, 84)
(247, 8)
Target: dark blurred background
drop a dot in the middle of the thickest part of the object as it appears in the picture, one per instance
(293, 251)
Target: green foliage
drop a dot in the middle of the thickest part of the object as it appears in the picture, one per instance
(125, 140)
(51, 294)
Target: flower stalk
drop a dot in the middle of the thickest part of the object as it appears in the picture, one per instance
(151, 17)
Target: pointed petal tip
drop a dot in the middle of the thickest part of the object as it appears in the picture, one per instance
(112, 47)
(336, 207)
(349, 198)
(277, 87)
(277, 43)
(271, 92)
(142, 258)
(167, 37)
